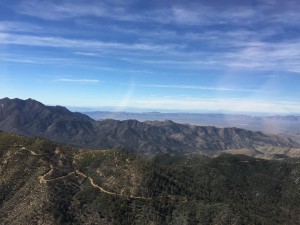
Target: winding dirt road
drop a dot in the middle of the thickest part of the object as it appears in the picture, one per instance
(95, 185)
(31, 152)
(108, 192)
(43, 180)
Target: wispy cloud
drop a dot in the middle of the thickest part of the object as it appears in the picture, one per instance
(238, 46)
(76, 8)
(194, 87)
(284, 56)
(258, 55)
(29, 59)
(189, 13)
(79, 81)
(14, 60)
(9, 26)
(60, 11)
(86, 53)
(48, 41)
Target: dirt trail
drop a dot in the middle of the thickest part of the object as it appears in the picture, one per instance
(31, 152)
(121, 195)
(43, 180)
(105, 191)
(95, 185)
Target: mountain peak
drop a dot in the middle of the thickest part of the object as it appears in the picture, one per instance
(33, 118)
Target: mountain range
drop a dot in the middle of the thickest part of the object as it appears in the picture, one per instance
(275, 124)
(32, 118)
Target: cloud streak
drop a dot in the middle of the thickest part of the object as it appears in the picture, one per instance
(9, 26)
(58, 42)
(187, 13)
(238, 46)
(193, 87)
(79, 81)
(256, 55)
(60, 11)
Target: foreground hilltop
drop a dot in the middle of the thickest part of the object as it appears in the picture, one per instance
(29, 117)
(46, 183)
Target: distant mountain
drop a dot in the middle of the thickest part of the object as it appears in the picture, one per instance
(282, 125)
(30, 117)
(46, 183)
(284, 118)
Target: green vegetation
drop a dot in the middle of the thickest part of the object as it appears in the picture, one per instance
(229, 189)
(117, 187)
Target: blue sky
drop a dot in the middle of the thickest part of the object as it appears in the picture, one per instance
(195, 56)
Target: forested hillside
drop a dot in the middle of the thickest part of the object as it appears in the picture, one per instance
(46, 183)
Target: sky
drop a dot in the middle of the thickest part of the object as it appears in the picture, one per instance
(170, 55)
